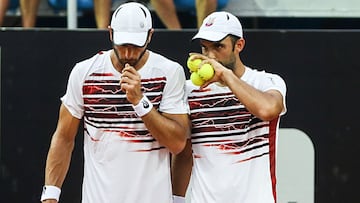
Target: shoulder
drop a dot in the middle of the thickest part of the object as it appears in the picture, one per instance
(159, 64)
(98, 57)
(95, 60)
(251, 73)
(163, 60)
(84, 67)
(263, 80)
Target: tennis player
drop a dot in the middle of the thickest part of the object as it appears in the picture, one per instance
(235, 118)
(132, 103)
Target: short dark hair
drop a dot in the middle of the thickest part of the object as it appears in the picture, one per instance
(234, 39)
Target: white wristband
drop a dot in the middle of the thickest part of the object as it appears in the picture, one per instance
(50, 192)
(178, 199)
(143, 107)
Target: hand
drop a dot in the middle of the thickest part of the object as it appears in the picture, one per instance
(130, 83)
(219, 69)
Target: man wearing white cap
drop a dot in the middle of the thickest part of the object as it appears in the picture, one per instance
(132, 103)
(235, 117)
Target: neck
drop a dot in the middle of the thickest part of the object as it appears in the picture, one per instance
(239, 69)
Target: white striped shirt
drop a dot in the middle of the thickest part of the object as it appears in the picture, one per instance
(233, 150)
(123, 162)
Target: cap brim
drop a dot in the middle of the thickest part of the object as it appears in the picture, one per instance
(134, 38)
(210, 36)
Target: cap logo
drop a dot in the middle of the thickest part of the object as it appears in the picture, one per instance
(210, 22)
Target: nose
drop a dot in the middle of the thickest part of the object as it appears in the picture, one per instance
(211, 54)
(127, 52)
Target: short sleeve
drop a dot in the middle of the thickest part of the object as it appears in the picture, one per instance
(174, 101)
(275, 82)
(73, 98)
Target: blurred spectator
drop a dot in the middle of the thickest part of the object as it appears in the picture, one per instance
(167, 10)
(29, 11)
(102, 10)
(204, 8)
(3, 8)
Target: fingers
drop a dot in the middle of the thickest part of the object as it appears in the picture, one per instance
(128, 69)
(129, 78)
(204, 59)
(197, 56)
(130, 84)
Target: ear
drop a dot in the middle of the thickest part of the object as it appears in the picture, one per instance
(110, 33)
(240, 44)
(151, 32)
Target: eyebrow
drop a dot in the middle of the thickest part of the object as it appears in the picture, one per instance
(218, 43)
(214, 43)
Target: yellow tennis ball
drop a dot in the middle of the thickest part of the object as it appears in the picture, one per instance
(196, 79)
(193, 65)
(206, 71)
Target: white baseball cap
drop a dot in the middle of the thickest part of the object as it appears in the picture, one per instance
(218, 25)
(131, 23)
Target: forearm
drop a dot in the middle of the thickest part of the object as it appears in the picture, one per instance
(181, 167)
(58, 161)
(59, 155)
(264, 105)
(170, 130)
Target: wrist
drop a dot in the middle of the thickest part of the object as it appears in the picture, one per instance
(178, 199)
(50, 192)
(143, 107)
